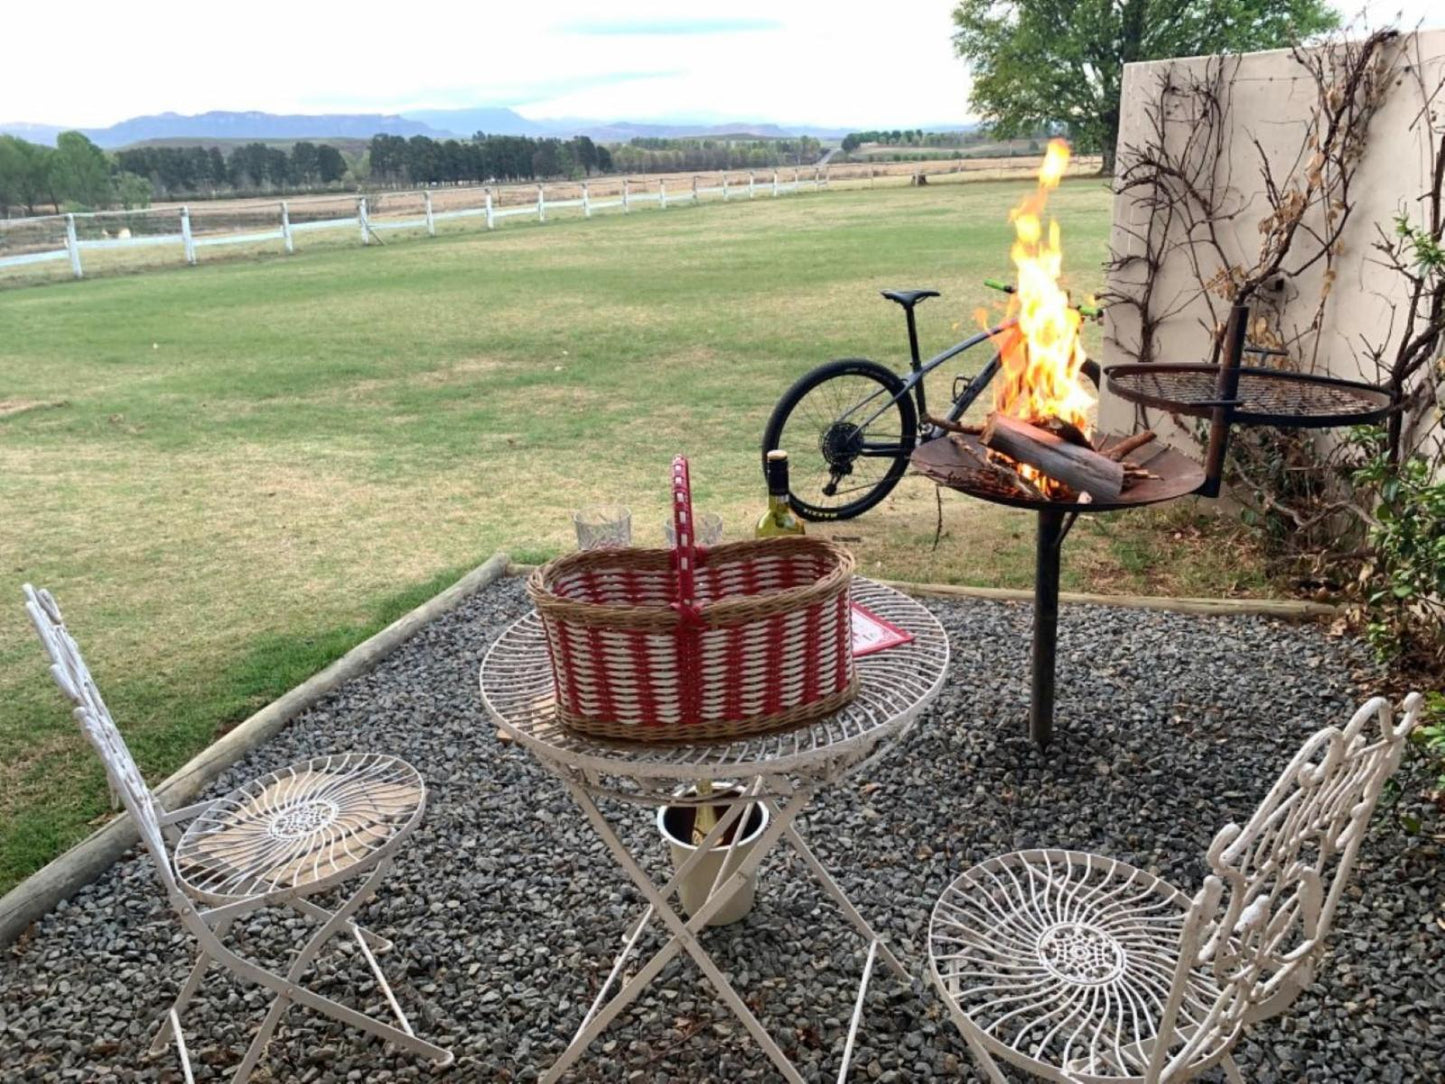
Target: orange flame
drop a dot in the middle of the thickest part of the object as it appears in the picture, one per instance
(1043, 355)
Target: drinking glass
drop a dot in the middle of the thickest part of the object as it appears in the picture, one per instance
(603, 527)
(707, 530)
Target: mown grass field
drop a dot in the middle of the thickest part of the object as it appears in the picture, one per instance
(232, 473)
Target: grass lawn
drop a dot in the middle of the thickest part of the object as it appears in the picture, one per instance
(232, 473)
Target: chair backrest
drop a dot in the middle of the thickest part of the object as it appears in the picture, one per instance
(1259, 924)
(73, 676)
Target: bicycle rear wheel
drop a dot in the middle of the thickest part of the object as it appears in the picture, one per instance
(848, 428)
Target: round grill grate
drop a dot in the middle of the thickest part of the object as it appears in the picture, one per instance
(1264, 396)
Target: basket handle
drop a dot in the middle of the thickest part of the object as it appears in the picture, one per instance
(684, 551)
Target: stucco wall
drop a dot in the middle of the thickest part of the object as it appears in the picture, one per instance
(1268, 98)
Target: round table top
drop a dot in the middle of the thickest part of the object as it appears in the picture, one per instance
(894, 685)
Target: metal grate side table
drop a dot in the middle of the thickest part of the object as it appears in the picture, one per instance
(780, 772)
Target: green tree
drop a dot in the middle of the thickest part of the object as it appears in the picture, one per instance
(1060, 62)
(80, 172)
(133, 191)
(330, 164)
(14, 173)
(305, 162)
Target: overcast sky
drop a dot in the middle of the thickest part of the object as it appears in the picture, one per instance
(824, 62)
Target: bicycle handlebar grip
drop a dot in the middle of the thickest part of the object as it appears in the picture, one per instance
(1086, 310)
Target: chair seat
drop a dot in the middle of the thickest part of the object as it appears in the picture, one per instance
(300, 829)
(1061, 961)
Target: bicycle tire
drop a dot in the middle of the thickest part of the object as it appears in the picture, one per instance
(826, 452)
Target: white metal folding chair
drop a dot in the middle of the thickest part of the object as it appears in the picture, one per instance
(1083, 969)
(272, 843)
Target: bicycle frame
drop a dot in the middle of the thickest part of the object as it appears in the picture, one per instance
(913, 384)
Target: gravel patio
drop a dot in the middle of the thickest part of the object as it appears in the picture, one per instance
(507, 911)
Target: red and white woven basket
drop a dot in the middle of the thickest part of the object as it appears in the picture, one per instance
(694, 644)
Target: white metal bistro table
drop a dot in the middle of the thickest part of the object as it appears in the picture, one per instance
(781, 772)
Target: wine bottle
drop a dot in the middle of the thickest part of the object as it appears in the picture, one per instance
(778, 521)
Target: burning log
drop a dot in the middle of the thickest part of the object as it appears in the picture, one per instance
(1008, 479)
(1130, 444)
(1067, 430)
(1081, 469)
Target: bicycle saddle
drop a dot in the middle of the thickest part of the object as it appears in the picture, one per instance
(908, 298)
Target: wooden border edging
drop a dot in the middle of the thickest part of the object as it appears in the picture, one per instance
(92, 856)
(1287, 609)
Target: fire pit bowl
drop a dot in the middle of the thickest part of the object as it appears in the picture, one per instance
(957, 462)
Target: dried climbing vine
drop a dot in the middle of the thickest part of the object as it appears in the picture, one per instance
(1324, 506)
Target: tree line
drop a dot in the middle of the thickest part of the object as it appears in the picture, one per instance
(684, 155)
(251, 167)
(915, 137)
(423, 160)
(78, 175)
(74, 173)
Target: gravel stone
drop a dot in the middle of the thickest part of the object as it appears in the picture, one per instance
(506, 908)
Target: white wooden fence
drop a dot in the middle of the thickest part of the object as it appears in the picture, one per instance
(38, 240)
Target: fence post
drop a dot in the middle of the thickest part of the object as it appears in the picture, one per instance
(725, 187)
(187, 242)
(286, 229)
(752, 185)
(795, 180)
(72, 246)
(662, 192)
(626, 205)
(491, 221)
(775, 184)
(694, 188)
(541, 205)
(586, 202)
(431, 226)
(361, 218)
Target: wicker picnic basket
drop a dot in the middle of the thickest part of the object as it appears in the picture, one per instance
(695, 644)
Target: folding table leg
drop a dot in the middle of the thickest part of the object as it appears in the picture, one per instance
(830, 886)
(375, 942)
(732, 816)
(170, 1022)
(684, 934)
(291, 992)
(980, 1053)
(857, 1012)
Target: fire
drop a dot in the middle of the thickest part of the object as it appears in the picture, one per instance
(1043, 355)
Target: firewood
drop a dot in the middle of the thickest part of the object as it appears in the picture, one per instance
(1068, 430)
(1129, 444)
(1081, 469)
(952, 427)
(1015, 481)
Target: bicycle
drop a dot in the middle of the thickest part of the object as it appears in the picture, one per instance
(882, 424)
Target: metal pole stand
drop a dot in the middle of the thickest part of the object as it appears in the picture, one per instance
(1054, 524)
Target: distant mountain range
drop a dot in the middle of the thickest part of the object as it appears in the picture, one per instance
(437, 123)
(226, 125)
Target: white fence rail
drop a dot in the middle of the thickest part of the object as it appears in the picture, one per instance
(189, 229)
